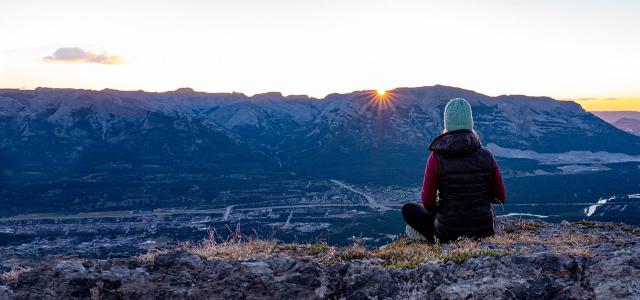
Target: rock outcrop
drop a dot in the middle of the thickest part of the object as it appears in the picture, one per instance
(603, 263)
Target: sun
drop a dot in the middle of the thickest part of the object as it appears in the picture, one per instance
(381, 92)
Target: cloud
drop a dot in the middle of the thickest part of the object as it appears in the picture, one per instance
(79, 55)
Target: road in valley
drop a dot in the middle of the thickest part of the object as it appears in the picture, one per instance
(372, 201)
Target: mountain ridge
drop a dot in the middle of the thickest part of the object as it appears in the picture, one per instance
(269, 94)
(48, 135)
(396, 116)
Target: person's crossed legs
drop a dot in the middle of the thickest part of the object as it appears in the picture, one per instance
(419, 219)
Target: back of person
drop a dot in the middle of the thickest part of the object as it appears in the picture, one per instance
(464, 185)
(461, 181)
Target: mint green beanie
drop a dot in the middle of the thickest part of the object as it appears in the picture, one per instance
(457, 115)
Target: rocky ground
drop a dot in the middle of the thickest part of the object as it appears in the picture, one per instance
(525, 260)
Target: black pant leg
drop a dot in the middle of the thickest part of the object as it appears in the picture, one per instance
(419, 219)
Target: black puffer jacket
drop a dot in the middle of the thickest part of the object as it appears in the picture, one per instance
(464, 185)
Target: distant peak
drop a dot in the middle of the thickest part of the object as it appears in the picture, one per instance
(184, 90)
(297, 97)
(268, 95)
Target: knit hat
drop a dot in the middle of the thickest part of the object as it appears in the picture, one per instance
(457, 115)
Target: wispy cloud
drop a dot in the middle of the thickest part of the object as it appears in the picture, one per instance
(79, 55)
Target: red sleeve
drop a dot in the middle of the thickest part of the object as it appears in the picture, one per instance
(430, 183)
(499, 191)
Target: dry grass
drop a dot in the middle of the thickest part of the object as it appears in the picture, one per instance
(466, 248)
(567, 243)
(575, 251)
(523, 225)
(11, 277)
(573, 244)
(632, 230)
(250, 249)
(401, 253)
(623, 227)
(511, 239)
(236, 246)
(406, 253)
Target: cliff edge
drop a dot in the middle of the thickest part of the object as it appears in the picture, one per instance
(525, 260)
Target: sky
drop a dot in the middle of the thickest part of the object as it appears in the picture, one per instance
(582, 50)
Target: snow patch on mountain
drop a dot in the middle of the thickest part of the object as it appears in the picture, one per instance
(589, 211)
(570, 157)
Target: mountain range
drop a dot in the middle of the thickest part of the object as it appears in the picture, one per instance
(629, 125)
(628, 121)
(48, 134)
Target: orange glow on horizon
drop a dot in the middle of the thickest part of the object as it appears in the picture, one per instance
(610, 104)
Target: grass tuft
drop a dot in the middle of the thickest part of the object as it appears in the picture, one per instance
(236, 246)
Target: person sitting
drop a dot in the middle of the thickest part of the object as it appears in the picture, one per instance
(461, 181)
